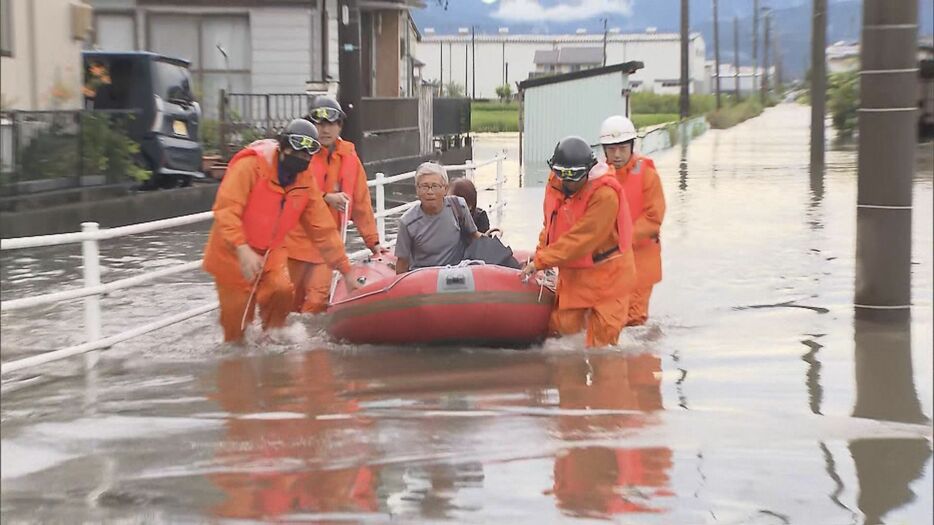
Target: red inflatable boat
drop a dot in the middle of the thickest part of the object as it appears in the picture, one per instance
(470, 305)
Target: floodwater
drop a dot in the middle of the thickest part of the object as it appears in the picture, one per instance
(752, 396)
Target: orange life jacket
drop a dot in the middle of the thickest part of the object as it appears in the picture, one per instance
(562, 212)
(270, 211)
(348, 173)
(634, 196)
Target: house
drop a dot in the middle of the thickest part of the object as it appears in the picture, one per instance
(42, 73)
(265, 46)
(479, 63)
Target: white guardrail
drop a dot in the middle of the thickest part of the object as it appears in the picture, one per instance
(91, 234)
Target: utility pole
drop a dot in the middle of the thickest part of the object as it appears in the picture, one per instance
(736, 57)
(604, 41)
(473, 63)
(755, 46)
(716, 49)
(887, 115)
(765, 56)
(685, 101)
(441, 82)
(348, 34)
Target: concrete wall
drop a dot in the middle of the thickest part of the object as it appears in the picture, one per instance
(45, 70)
(449, 57)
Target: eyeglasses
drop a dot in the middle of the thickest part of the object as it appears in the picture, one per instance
(304, 143)
(432, 187)
(319, 115)
(570, 174)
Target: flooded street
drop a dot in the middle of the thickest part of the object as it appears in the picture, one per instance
(752, 396)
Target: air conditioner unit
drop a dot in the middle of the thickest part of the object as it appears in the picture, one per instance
(82, 20)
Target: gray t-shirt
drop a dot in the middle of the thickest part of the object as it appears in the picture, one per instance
(435, 240)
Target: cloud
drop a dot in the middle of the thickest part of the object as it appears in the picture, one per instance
(564, 11)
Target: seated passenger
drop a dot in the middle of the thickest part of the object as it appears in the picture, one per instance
(466, 189)
(437, 232)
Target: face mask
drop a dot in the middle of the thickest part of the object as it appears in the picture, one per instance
(294, 165)
(567, 192)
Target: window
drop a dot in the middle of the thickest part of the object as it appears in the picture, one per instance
(6, 30)
(205, 40)
(114, 32)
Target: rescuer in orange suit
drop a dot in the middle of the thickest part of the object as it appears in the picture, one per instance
(344, 186)
(646, 201)
(268, 190)
(588, 236)
(293, 479)
(605, 481)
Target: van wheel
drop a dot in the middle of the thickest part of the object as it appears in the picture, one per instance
(167, 182)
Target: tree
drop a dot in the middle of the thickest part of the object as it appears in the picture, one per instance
(453, 89)
(504, 92)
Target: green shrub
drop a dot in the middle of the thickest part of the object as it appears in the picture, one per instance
(729, 116)
(843, 102)
(643, 121)
(645, 102)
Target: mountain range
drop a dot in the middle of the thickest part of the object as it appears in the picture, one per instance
(791, 21)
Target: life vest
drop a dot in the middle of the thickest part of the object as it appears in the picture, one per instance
(634, 195)
(562, 212)
(348, 172)
(270, 211)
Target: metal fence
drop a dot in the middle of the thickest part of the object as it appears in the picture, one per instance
(93, 289)
(50, 150)
(392, 127)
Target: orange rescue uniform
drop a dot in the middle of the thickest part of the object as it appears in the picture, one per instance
(344, 173)
(258, 172)
(647, 205)
(596, 295)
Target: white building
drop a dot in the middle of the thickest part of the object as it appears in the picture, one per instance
(505, 58)
(842, 57)
(749, 78)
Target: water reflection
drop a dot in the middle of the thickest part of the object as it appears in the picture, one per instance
(290, 419)
(599, 481)
(885, 468)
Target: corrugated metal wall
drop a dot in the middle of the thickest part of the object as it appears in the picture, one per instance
(574, 107)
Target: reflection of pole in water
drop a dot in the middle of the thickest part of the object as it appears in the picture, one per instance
(888, 105)
(885, 390)
(885, 386)
(815, 391)
(683, 165)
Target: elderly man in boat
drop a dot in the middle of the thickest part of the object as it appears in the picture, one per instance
(587, 235)
(438, 231)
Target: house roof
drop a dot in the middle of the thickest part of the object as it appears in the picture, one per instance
(625, 67)
(569, 56)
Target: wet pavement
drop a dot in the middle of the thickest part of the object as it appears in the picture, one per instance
(752, 396)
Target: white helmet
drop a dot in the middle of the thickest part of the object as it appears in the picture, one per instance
(617, 129)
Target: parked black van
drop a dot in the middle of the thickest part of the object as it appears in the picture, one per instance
(158, 89)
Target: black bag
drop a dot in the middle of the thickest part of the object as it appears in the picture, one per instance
(491, 251)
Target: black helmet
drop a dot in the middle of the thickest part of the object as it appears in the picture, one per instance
(572, 159)
(325, 108)
(300, 135)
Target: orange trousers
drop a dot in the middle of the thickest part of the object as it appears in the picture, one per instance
(273, 295)
(639, 305)
(603, 321)
(312, 282)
